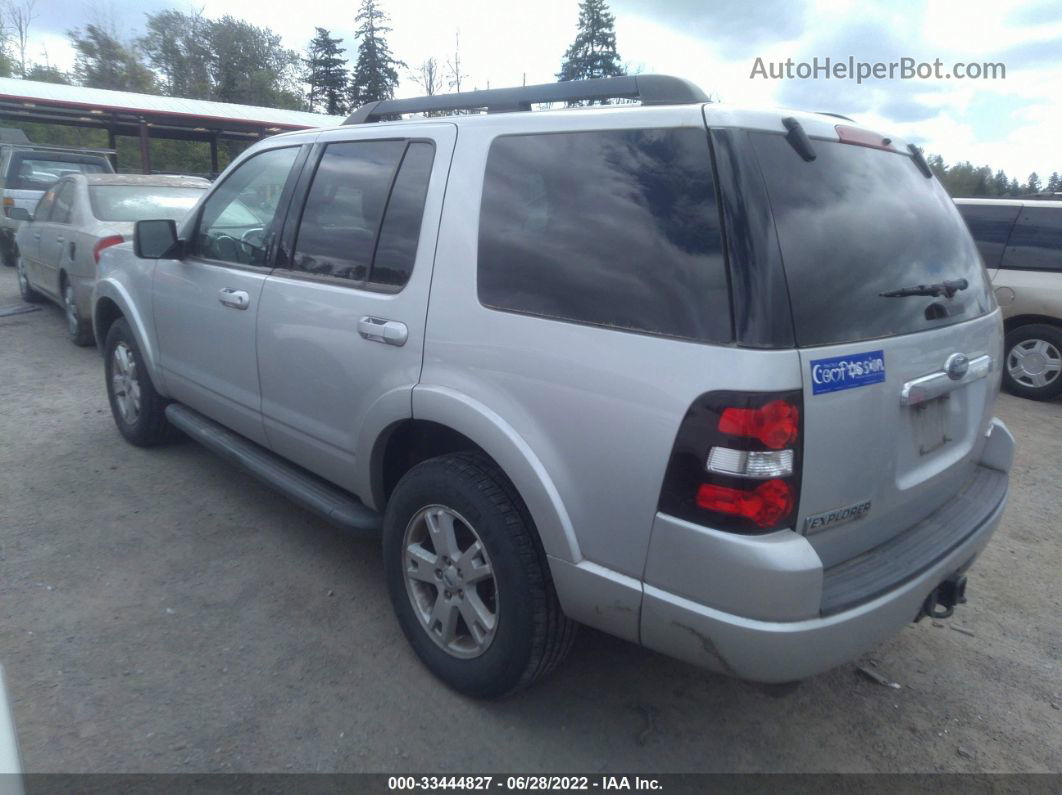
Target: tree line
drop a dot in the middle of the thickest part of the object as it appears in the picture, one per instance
(966, 179)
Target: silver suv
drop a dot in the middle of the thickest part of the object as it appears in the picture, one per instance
(716, 381)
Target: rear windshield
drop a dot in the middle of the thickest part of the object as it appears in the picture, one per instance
(39, 172)
(141, 202)
(856, 222)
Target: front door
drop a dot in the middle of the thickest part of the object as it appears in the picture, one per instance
(341, 322)
(206, 303)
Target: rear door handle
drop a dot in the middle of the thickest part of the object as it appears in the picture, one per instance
(237, 299)
(389, 332)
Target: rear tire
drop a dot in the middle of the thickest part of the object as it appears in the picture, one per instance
(78, 329)
(1032, 362)
(9, 252)
(516, 632)
(139, 410)
(29, 295)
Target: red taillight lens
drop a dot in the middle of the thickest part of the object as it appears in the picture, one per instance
(8, 204)
(776, 424)
(861, 137)
(765, 505)
(105, 242)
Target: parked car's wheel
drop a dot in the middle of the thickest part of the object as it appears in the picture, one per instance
(29, 295)
(139, 411)
(468, 578)
(1033, 362)
(77, 328)
(9, 252)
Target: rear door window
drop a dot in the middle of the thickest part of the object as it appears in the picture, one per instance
(857, 222)
(64, 203)
(615, 228)
(1036, 242)
(362, 215)
(990, 225)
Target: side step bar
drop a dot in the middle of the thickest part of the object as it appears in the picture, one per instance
(328, 501)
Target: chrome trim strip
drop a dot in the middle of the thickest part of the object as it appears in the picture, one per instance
(934, 385)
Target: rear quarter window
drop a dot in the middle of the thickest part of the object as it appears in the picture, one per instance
(990, 225)
(615, 228)
(1036, 242)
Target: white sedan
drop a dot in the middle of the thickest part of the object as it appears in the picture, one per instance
(80, 216)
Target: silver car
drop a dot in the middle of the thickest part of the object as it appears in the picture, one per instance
(77, 218)
(718, 381)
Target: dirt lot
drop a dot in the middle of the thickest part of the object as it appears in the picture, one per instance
(161, 611)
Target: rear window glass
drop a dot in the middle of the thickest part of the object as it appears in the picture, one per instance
(141, 202)
(1036, 242)
(990, 225)
(857, 222)
(39, 172)
(612, 228)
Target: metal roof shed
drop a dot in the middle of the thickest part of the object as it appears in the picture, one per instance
(149, 116)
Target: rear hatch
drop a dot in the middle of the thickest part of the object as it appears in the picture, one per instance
(31, 172)
(858, 221)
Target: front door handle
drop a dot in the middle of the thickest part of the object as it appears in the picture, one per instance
(237, 299)
(389, 332)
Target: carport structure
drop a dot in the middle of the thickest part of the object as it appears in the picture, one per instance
(147, 116)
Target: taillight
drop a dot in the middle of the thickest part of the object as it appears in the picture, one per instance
(735, 464)
(105, 242)
(8, 204)
(861, 137)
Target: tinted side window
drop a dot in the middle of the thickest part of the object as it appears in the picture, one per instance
(1036, 242)
(64, 203)
(614, 228)
(239, 217)
(343, 209)
(400, 233)
(990, 225)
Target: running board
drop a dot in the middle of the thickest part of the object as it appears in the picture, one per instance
(330, 502)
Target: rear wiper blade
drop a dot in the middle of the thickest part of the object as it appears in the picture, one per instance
(945, 288)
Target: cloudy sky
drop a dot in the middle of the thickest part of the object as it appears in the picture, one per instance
(1010, 123)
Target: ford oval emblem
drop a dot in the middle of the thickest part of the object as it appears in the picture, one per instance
(956, 366)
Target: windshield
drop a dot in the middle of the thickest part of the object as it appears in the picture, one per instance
(857, 222)
(141, 202)
(40, 172)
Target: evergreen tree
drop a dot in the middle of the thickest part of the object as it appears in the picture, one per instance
(1054, 183)
(1033, 185)
(326, 74)
(1000, 183)
(376, 70)
(104, 62)
(593, 53)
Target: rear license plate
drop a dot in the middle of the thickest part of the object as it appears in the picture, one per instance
(931, 428)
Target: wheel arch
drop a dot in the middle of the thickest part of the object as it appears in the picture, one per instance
(1017, 321)
(110, 303)
(446, 421)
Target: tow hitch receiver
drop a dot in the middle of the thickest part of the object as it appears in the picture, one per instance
(941, 602)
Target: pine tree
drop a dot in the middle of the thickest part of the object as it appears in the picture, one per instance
(326, 74)
(593, 53)
(1054, 183)
(1033, 185)
(1002, 184)
(376, 70)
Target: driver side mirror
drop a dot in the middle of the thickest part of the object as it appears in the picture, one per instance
(156, 239)
(19, 214)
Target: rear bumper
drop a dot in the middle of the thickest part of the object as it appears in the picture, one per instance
(776, 648)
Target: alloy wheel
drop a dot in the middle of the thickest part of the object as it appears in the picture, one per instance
(450, 581)
(125, 384)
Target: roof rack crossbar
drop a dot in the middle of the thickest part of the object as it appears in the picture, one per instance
(650, 89)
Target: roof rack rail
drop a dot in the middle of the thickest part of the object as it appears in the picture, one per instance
(835, 115)
(650, 89)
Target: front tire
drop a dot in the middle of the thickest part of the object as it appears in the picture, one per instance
(468, 578)
(29, 295)
(1033, 362)
(78, 329)
(139, 410)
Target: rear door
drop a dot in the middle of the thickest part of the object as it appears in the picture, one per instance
(54, 236)
(888, 434)
(341, 322)
(205, 304)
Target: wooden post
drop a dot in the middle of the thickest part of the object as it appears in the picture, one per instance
(214, 155)
(145, 148)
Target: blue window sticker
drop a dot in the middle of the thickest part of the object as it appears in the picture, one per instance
(847, 372)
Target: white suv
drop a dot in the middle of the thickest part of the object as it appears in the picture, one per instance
(717, 381)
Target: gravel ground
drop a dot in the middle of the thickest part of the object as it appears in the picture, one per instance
(161, 611)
